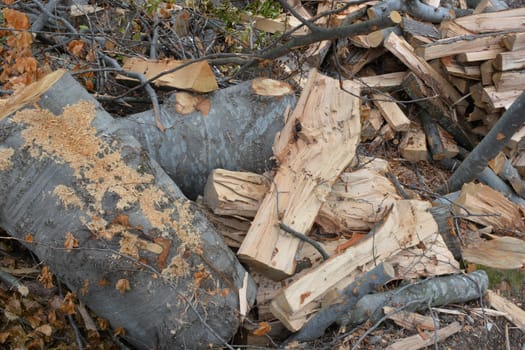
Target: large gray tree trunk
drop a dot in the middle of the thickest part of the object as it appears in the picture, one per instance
(237, 134)
(90, 202)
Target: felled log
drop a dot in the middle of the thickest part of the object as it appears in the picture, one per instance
(491, 144)
(486, 69)
(375, 38)
(413, 27)
(233, 129)
(235, 192)
(419, 296)
(495, 99)
(386, 81)
(87, 199)
(371, 121)
(357, 201)
(316, 144)
(456, 69)
(510, 80)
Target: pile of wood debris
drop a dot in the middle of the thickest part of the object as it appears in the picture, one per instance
(460, 76)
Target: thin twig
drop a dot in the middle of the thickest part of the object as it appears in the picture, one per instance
(306, 239)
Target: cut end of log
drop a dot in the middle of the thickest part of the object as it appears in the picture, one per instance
(271, 87)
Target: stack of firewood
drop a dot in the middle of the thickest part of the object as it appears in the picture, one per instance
(462, 76)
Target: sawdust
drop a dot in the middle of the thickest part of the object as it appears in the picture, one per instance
(178, 267)
(5, 158)
(70, 139)
(68, 197)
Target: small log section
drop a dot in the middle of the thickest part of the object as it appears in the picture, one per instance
(392, 113)
(318, 141)
(234, 192)
(407, 224)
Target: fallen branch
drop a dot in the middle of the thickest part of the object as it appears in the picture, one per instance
(434, 292)
(365, 284)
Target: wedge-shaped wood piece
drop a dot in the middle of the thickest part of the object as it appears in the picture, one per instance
(407, 223)
(386, 81)
(460, 70)
(357, 201)
(515, 314)
(488, 207)
(418, 342)
(402, 50)
(317, 142)
(450, 29)
(498, 252)
(511, 80)
(503, 167)
(372, 123)
(499, 99)
(483, 55)
(389, 109)
(510, 60)
(487, 69)
(494, 21)
(514, 41)
(235, 192)
(450, 146)
(459, 45)
(413, 145)
(196, 77)
(410, 320)
(516, 139)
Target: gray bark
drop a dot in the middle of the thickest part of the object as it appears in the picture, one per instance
(167, 307)
(432, 292)
(237, 134)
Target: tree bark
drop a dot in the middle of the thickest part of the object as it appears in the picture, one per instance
(236, 134)
(431, 292)
(85, 197)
